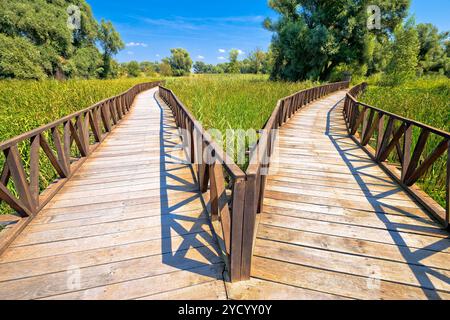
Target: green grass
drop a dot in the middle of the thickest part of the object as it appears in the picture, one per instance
(425, 100)
(236, 102)
(26, 105)
(232, 101)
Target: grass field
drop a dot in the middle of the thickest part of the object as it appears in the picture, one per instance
(232, 102)
(425, 100)
(25, 105)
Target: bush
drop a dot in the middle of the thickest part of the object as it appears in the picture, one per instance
(19, 58)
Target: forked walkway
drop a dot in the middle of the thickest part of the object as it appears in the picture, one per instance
(131, 223)
(336, 226)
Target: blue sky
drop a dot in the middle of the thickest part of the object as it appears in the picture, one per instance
(209, 29)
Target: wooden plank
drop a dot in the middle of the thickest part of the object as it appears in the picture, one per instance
(102, 255)
(400, 239)
(109, 274)
(52, 235)
(51, 249)
(141, 288)
(374, 206)
(367, 219)
(414, 275)
(214, 290)
(258, 289)
(339, 283)
(357, 247)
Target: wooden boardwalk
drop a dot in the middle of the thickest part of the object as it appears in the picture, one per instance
(335, 226)
(131, 223)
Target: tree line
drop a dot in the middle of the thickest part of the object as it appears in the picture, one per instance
(181, 64)
(37, 41)
(312, 40)
(323, 39)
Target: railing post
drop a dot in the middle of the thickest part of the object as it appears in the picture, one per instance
(248, 226)
(447, 185)
(237, 220)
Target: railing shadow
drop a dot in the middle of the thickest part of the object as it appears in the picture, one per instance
(194, 231)
(335, 124)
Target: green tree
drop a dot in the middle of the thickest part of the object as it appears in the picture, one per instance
(200, 67)
(20, 59)
(432, 54)
(111, 43)
(148, 68)
(313, 37)
(233, 65)
(43, 24)
(405, 52)
(180, 62)
(165, 69)
(133, 69)
(85, 63)
(257, 60)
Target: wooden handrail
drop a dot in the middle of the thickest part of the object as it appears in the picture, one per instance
(364, 122)
(233, 214)
(226, 197)
(284, 110)
(85, 129)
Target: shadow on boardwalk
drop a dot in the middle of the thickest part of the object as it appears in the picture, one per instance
(194, 230)
(413, 256)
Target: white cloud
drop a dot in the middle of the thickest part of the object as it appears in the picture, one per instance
(136, 44)
(157, 55)
(221, 58)
(176, 23)
(130, 53)
(200, 57)
(222, 50)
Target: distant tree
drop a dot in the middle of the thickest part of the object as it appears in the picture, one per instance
(405, 52)
(133, 69)
(257, 59)
(246, 66)
(180, 62)
(220, 68)
(200, 67)
(313, 37)
(148, 68)
(432, 54)
(233, 65)
(165, 69)
(111, 43)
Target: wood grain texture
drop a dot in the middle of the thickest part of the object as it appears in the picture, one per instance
(335, 226)
(131, 224)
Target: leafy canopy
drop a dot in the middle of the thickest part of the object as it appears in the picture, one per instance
(313, 37)
(38, 33)
(180, 62)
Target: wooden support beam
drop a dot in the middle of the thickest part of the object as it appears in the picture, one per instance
(19, 177)
(52, 158)
(417, 154)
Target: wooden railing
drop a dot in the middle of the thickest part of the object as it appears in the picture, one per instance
(235, 197)
(262, 152)
(64, 145)
(395, 151)
(220, 179)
